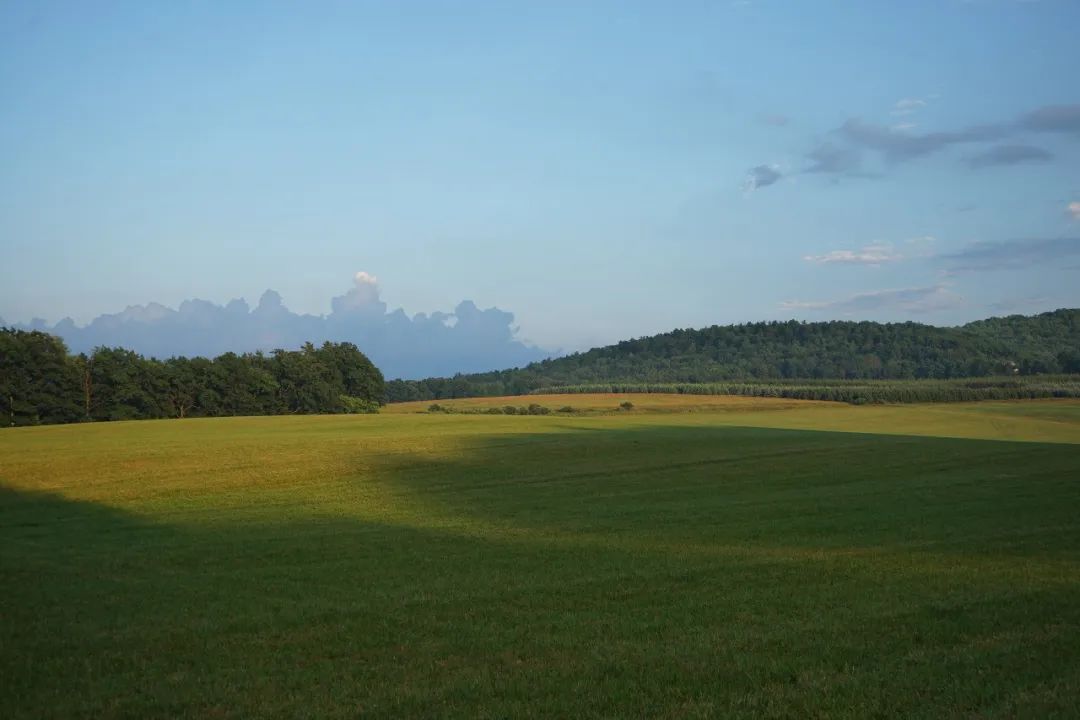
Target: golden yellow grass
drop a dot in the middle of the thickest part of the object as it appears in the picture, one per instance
(1028, 420)
(650, 402)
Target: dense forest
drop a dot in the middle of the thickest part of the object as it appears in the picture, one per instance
(40, 382)
(775, 351)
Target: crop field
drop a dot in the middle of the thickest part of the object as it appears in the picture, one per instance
(688, 557)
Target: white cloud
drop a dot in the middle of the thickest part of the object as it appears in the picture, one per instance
(363, 295)
(908, 106)
(876, 254)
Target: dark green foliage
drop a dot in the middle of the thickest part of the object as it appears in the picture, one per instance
(626, 405)
(1043, 344)
(858, 392)
(532, 409)
(358, 406)
(40, 383)
(126, 386)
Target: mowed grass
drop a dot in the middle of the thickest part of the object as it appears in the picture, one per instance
(809, 560)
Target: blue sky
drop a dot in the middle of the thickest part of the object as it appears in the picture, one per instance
(601, 170)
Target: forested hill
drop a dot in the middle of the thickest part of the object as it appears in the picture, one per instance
(1045, 343)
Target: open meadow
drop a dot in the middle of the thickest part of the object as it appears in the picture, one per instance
(693, 556)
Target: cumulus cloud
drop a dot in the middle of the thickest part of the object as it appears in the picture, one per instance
(874, 255)
(1073, 209)
(933, 298)
(1009, 155)
(761, 176)
(1008, 254)
(467, 339)
(363, 297)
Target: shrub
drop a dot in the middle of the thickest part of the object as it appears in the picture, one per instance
(566, 409)
(626, 405)
(355, 405)
(536, 409)
(510, 410)
(494, 411)
(436, 407)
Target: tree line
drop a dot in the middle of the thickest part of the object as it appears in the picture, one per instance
(1048, 343)
(860, 392)
(41, 382)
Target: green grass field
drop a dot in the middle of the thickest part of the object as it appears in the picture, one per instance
(751, 558)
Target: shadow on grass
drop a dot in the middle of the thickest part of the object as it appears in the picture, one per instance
(636, 572)
(765, 487)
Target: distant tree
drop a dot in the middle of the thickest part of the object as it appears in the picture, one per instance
(84, 367)
(182, 387)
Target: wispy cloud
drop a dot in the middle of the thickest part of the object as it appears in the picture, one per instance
(1012, 305)
(1053, 119)
(830, 158)
(933, 298)
(899, 142)
(921, 240)
(1073, 209)
(1008, 254)
(1009, 155)
(874, 255)
(898, 145)
(774, 119)
(908, 106)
